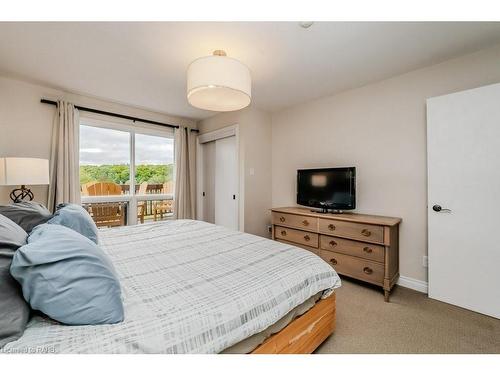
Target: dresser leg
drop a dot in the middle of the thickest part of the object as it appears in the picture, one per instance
(386, 295)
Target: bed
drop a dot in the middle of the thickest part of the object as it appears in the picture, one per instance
(193, 287)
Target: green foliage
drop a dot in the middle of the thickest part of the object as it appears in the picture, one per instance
(154, 174)
(120, 174)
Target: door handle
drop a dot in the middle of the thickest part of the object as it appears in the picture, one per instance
(438, 208)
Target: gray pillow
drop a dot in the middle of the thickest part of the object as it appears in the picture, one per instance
(67, 277)
(26, 214)
(14, 311)
(77, 218)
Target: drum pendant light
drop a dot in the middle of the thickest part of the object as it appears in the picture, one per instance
(218, 83)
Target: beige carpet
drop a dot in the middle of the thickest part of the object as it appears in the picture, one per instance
(410, 323)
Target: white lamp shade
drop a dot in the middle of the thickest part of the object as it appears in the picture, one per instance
(218, 83)
(24, 171)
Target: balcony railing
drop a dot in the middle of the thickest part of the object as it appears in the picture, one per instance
(111, 204)
(150, 189)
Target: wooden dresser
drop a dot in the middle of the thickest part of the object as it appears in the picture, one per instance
(364, 247)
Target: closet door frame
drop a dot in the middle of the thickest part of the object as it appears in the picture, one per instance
(225, 132)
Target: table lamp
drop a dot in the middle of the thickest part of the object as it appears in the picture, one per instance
(23, 171)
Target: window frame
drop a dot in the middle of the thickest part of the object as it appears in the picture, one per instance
(132, 199)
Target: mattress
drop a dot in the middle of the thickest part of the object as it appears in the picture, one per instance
(189, 287)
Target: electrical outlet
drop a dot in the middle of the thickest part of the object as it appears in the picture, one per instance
(425, 261)
(269, 228)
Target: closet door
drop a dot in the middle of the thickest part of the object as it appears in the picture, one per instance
(463, 146)
(208, 194)
(226, 183)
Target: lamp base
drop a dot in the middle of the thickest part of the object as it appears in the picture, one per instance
(18, 195)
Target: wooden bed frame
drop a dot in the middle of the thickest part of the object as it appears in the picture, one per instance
(303, 334)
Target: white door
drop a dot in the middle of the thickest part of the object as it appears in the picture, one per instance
(208, 193)
(226, 183)
(463, 147)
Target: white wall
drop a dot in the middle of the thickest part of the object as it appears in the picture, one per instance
(255, 154)
(26, 124)
(380, 129)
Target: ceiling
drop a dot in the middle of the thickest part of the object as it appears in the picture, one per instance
(144, 64)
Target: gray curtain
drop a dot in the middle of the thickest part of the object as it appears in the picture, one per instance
(185, 174)
(64, 170)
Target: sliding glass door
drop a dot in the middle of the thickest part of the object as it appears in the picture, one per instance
(154, 176)
(109, 155)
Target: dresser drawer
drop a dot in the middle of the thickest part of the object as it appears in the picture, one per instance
(355, 248)
(296, 236)
(296, 221)
(358, 268)
(359, 231)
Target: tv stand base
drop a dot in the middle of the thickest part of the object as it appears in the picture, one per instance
(320, 211)
(327, 210)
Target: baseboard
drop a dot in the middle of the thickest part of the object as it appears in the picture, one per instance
(408, 282)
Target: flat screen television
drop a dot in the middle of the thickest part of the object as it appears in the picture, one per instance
(327, 188)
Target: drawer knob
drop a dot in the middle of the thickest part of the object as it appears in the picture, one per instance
(306, 237)
(367, 270)
(333, 243)
(366, 233)
(367, 249)
(282, 219)
(305, 222)
(331, 227)
(283, 232)
(333, 261)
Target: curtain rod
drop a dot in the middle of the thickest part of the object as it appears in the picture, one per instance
(98, 111)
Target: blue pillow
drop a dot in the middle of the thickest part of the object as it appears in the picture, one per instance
(67, 277)
(77, 218)
(26, 214)
(14, 311)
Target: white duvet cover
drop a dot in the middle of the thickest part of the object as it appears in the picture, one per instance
(189, 287)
